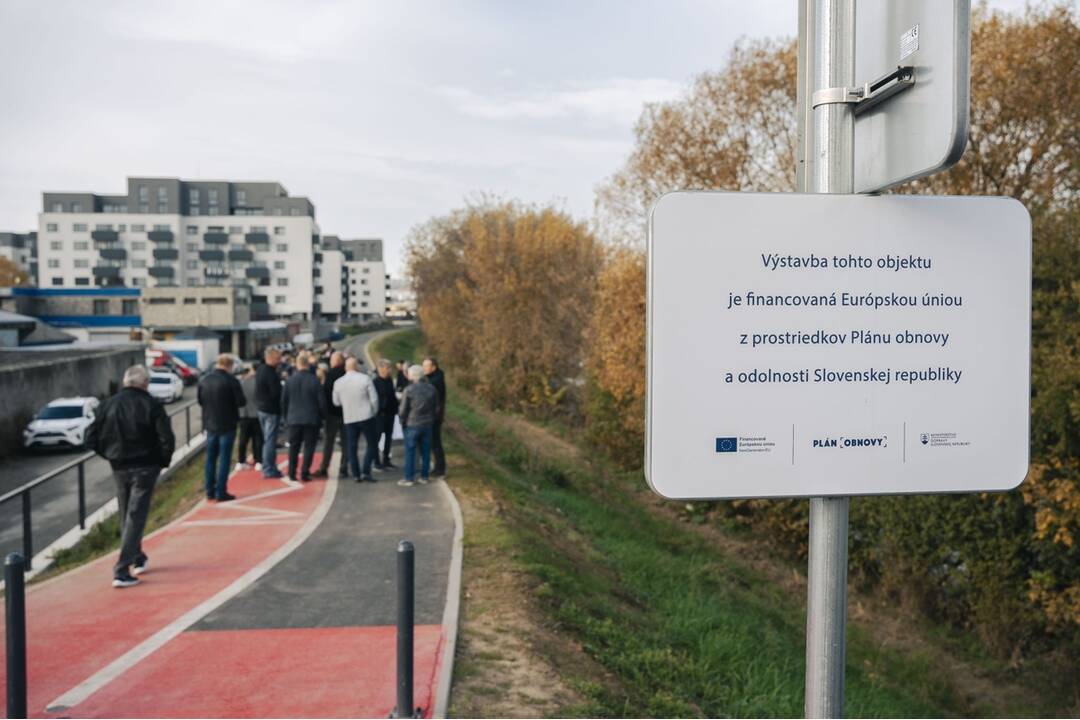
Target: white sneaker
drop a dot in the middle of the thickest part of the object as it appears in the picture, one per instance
(423, 481)
(405, 483)
(258, 466)
(239, 467)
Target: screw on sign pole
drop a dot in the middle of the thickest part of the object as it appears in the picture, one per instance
(15, 632)
(829, 135)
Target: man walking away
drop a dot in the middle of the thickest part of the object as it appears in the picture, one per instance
(419, 408)
(434, 375)
(384, 421)
(359, 402)
(221, 398)
(402, 381)
(303, 406)
(250, 431)
(268, 402)
(335, 426)
(133, 433)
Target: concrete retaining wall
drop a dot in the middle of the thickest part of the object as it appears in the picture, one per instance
(29, 380)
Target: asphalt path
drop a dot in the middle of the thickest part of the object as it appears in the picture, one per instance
(55, 505)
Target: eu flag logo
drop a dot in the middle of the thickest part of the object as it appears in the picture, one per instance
(727, 444)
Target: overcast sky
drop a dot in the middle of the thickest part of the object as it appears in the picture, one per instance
(384, 114)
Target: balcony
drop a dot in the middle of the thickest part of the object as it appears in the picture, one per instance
(257, 238)
(113, 253)
(162, 271)
(241, 255)
(160, 236)
(212, 255)
(105, 236)
(318, 258)
(260, 309)
(166, 253)
(257, 272)
(107, 272)
(216, 272)
(216, 238)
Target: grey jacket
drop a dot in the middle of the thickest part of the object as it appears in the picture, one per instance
(303, 401)
(251, 409)
(419, 405)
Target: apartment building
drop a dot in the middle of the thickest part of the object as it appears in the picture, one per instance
(21, 249)
(168, 232)
(366, 283)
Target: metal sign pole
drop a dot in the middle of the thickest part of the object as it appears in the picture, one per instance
(831, 59)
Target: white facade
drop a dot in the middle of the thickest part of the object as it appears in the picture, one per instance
(331, 282)
(68, 253)
(367, 288)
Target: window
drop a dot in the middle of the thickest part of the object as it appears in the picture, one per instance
(138, 228)
(212, 211)
(130, 307)
(294, 211)
(76, 207)
(57, 207)
(190, 300)
(121, 228)
(279, 230)
(363, 304)
(192, 247)
(281, 247)
(363, 281)
(80, 245)
(159, 301)
(80, 281)
(277, 211)
(79, 227)
(279, 264)
(101, 307)
(192, 264)
(278, 299)
(163, 227)
(258, 228)
(236, 230)
(144, 207)
(367, 293)
(193, 196)
(192, 230)
(138, 263)
(241, 197)
(54, 263)
(281, 282)
(211, 196)
(58, 281)
(138, 245)
(192, 282)
(193, 211)
(162, 194)
(58, 245)
(80, 263)
(51, 227)
(144, 194)
(138, 282)
(214, 301)
(103, 227)
(162, 208)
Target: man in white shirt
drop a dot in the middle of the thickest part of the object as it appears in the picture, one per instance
(355, 394)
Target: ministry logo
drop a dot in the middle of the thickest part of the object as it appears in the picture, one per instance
(924, 438)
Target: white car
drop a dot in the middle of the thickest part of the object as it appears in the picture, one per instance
(165, 386)
(61, 422)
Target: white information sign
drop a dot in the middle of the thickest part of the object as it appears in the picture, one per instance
(923, 129)
(808, 345)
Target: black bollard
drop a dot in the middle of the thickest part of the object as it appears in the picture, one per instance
(15, 631)
(405, 605)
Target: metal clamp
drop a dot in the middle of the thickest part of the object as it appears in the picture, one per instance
(868, 95)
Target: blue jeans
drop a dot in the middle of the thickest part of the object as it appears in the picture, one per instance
(353, 431)
(270, 425)
(417, 436)
(218, 455)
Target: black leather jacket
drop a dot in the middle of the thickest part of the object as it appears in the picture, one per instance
(132, 430)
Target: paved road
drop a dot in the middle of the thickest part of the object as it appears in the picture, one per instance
(55, 506)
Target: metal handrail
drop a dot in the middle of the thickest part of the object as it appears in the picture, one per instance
(79, 464)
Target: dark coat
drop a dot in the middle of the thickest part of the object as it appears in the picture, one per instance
(419, 405)
(303, 401)
(268, 389)
(402, 381)
(132, 430)
(438, 381)
(388, 402)
(332, 376)
(221, 398)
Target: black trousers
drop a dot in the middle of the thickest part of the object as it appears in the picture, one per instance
(437, 449)
(334, 429)
(308, 435)
(384, 430)
(250, 432)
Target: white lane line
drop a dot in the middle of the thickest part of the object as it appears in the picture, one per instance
(451, 609)
(140, 652)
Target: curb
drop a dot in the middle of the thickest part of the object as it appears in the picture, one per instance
(451, 611)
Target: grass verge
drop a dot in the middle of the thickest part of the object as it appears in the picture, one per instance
(172, 498)
(635, 612)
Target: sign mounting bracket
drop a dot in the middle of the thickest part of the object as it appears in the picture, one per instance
(868, 95)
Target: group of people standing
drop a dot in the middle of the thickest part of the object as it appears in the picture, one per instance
(133, 432)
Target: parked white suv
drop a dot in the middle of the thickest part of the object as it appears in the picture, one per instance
(165, 386)
(62, 422)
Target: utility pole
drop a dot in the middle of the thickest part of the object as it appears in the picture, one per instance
(827, 51)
